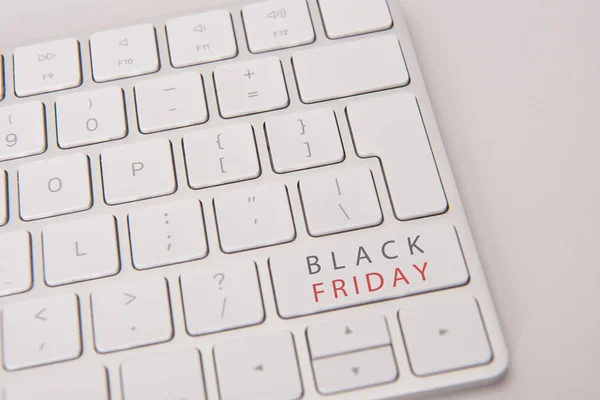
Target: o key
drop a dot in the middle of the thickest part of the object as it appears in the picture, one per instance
(54, 187)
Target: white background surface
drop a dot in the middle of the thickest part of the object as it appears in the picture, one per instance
(515, 85)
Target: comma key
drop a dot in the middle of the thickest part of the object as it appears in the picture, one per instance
(366, 268)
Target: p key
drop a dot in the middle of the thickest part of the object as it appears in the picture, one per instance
(138, 171)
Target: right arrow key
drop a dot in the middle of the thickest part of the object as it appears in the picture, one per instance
(444, 334)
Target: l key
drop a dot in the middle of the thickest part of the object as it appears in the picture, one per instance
(80, 250)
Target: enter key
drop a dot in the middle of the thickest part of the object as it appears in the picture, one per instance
(391, 128)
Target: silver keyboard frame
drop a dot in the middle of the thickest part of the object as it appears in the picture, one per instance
(407, 383)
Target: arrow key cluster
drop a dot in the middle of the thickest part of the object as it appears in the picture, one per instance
(351, 353)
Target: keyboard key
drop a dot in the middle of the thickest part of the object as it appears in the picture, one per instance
(138, 171)
(167, 234)
(1, 77)
(124, 52)
(47, 67)
(131, 315)
(3, 198)
(344, 18)
(170, 102)
(250, 87)
(341, 201)
(260, 367)
(175, 375)
(355, 370)
(221, 155)
(22, 130)
(277, 24)
(41, 331)
(201, 38)
(15, 262)
(255, 217)
(347, 335)
(54, 186)
(304, 140)
(90, 117)
(350, 68)
(89, 383)
(368, 267)
(391, 128)
(80, 250)
(218, 299)
(444, 334)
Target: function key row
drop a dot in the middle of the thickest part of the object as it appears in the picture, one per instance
(192, 40)
(179, 100)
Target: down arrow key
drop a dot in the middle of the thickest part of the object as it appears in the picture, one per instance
(354, 370)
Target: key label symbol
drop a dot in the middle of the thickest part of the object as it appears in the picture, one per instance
(131, 298)
(40, 316)
(252, 200)
(275, 14)
(91, 125)
(302, 126)
(220, 278)
(46, 57)
(200, 28)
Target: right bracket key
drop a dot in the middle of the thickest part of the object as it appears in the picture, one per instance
(391, 128)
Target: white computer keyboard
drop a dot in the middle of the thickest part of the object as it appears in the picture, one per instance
(248, 202)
